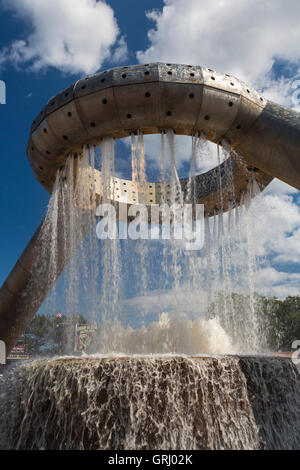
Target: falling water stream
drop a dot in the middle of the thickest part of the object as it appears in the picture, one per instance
(166, 368)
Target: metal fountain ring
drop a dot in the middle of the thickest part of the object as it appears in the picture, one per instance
(152, 98)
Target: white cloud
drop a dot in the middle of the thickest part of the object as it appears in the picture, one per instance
(277, 187)
(121, 51)
(75, 36)
(280, 284)
(284, 91)
(182, 299)
(243, 38)
(275, 224)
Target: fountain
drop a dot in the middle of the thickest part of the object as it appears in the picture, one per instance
(198, 375)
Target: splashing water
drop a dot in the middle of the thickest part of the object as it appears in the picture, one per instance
(169, 335)
(102, 277)
(160, 403)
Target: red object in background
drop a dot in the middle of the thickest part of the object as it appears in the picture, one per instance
(59, 315)
(20, 347)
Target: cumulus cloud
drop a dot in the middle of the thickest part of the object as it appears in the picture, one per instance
(272, 282)
(277, 187)
(276, 227)
(243, 38)
(75, 36)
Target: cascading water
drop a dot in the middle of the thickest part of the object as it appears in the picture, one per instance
(188, 284)
(151, 403)
(110, 253)
(162, 307)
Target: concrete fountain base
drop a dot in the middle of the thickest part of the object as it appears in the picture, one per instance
(152, 402)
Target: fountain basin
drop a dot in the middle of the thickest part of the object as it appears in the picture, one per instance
(152, 402)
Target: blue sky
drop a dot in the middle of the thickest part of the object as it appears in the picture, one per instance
(23, 201)
(238, 38)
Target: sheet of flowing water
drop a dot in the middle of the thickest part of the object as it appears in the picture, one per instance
(201, 282)
(139, 249)
(230, 266)
(110, 251)
(72, 216)
(175, 198)
(149, 402)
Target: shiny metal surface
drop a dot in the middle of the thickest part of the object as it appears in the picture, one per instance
(150, 98)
